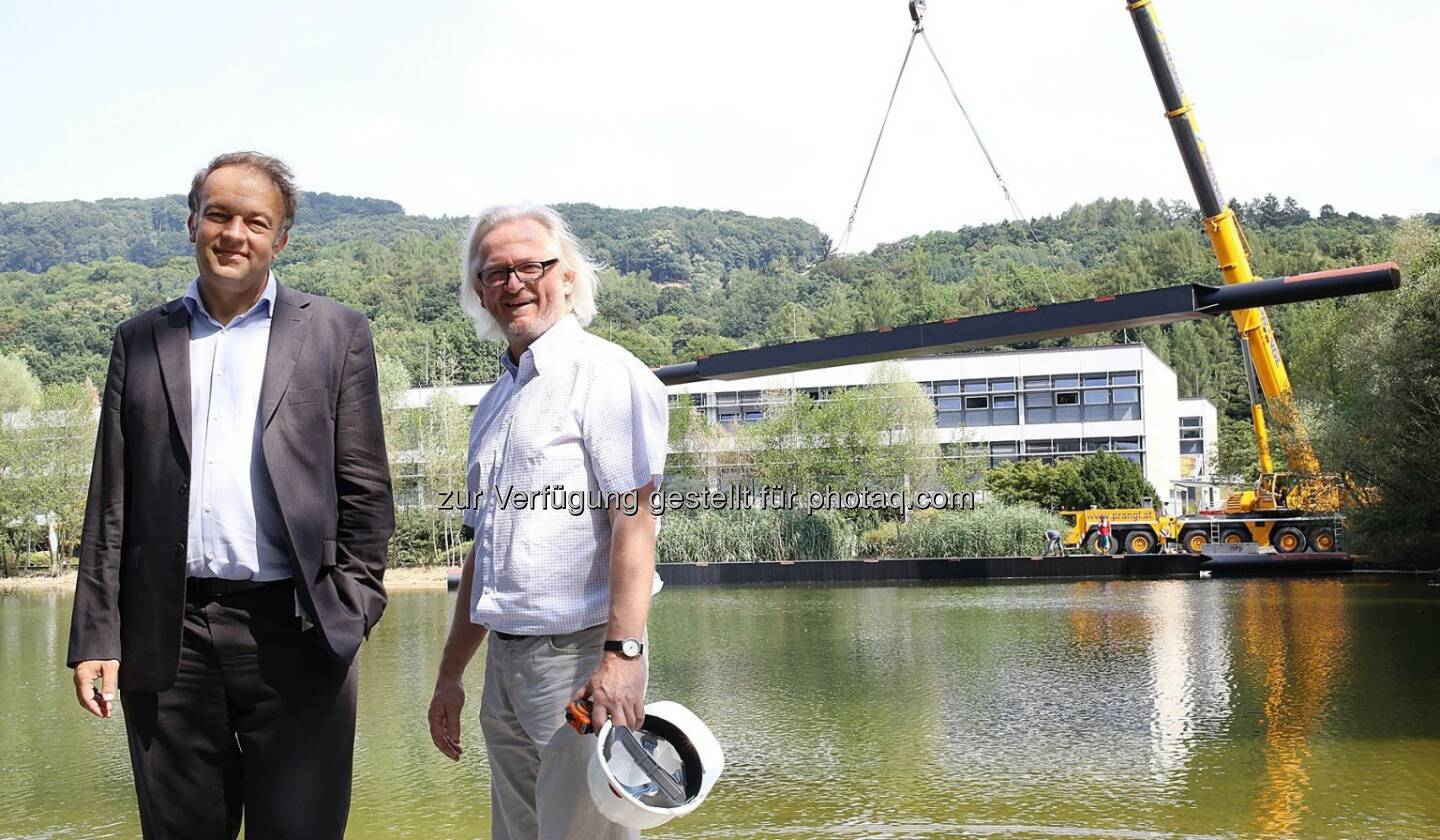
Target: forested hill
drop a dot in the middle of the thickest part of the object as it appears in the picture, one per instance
(36, 236)
(668, 242)
(682, 283)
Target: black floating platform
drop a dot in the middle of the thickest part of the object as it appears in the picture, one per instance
(1272, 563)
(897, 570)
(932, 568)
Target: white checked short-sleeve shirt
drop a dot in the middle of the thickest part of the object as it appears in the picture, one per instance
(578, 416)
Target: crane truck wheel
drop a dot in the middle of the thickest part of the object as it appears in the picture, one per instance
(1234, 536)
(1139, 542)
(1323, 539)
(1288, 540)
(1194, 541)
(1092, 544)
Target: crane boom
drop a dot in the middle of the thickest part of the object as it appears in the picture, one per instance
(1264, 364)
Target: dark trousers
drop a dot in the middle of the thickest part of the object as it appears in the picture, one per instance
(260, 722)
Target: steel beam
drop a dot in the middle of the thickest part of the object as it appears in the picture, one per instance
(1033, 323)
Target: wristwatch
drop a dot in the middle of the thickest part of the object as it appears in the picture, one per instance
(628, 648)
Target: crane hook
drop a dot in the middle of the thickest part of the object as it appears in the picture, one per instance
(917, 10)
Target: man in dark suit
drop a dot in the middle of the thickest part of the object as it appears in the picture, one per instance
(235, 532)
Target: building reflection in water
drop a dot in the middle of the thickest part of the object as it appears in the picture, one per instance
(1294, 639)
(1191, 665)
(1180, 633)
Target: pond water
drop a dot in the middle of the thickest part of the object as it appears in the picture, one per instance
(1135, 709)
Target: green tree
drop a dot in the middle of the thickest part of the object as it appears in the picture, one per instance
(19, 389)
(1382, 426)
(1102, 480)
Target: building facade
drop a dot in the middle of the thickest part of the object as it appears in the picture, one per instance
(1049, 404)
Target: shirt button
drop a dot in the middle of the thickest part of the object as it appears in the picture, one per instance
(207, 508)
(184, 487)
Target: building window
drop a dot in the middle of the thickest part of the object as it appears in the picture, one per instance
(950, 387)
(1192, 436)
(1005, 410)
(1128, 377)
(1067, 445)
(947, 403)
(1002, 451)
(974, 386)
(1006, 384)
(1069, 380)
(949, 420)
(1037, 383)
(1067, 398)
(1125, 411)
(977, 402)
(1094, 380)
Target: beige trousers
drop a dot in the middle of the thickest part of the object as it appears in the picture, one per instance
(538, 789)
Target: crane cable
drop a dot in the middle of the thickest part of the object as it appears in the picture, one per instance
(850, 225)
(1004, 187)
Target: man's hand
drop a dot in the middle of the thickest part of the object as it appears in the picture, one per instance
(445, 709)
(616, 691)
(96, 701)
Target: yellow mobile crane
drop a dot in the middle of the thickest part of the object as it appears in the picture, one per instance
(1291, 511)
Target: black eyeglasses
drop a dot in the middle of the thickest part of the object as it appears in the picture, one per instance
(527, 272)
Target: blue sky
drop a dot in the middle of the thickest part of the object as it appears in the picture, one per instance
(765, 107)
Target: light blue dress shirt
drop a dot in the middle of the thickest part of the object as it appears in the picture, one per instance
(236, 531)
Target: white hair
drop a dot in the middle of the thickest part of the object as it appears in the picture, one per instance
(573, 258)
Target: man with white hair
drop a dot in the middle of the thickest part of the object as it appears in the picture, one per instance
(564, 593)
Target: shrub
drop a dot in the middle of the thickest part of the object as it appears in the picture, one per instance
(992, 530)
(754, 535)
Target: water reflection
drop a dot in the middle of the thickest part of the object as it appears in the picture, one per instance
(1190, 662)
(1091, 709)
(1298, 655)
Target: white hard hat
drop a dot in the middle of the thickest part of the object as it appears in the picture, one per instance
(660, 771)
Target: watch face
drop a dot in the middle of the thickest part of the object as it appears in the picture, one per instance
(630, 648)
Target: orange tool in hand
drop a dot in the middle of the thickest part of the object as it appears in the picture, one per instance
(577, 714)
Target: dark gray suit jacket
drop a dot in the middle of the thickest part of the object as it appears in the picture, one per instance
(322, 441)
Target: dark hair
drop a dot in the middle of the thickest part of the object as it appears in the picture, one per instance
(272, 168)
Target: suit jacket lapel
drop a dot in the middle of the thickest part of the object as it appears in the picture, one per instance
(287, 337)
(172, 347)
